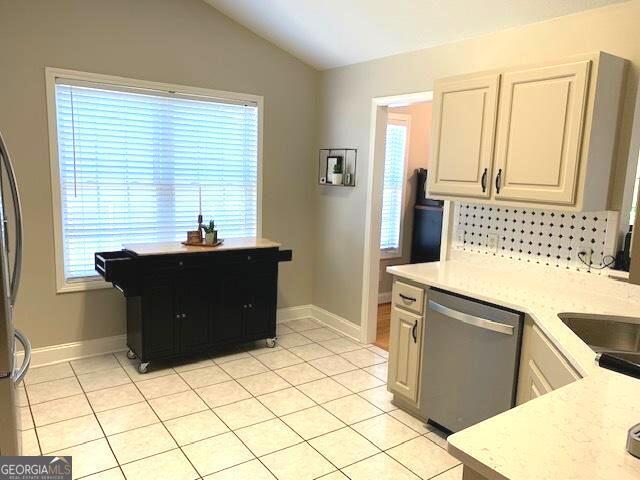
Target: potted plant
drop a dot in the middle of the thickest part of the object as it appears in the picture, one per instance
(336, 177)
(210, 233)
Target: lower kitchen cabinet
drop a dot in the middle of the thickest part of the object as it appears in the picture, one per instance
(405, 348)
(542, 367)
(186, 304)
(193, 316)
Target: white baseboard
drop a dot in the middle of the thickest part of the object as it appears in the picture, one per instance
(336, 322)
(100, 346)
(331, 320)
(73, 351)
(294, 313)
(384, 297)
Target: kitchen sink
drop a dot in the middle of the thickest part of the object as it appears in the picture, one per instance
(619, 336)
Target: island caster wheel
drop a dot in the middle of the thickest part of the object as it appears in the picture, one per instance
(142, 368)
(271, 342)
(131, 355)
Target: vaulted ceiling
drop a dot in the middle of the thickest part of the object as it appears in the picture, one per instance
(332, 33)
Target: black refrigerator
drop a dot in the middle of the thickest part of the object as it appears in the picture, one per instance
(427, 224)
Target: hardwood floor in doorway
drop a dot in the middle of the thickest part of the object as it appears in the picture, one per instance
(384, 319)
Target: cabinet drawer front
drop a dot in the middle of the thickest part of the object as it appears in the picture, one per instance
(408, 297)
(405, 346)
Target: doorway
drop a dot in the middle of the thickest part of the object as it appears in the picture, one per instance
(401, 137)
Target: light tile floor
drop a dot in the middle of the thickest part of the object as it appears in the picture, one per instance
(316, 406)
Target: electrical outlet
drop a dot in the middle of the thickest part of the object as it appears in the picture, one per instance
(460, 236)
(492, 242)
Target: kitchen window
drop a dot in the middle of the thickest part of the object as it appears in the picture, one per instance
(135, 162)
(395, 166)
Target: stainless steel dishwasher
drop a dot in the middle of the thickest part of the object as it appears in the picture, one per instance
(470, 362)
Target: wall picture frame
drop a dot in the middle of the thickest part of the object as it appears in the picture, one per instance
(328, 158)
(332, 161)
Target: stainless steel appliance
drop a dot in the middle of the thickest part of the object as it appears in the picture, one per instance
(471, 356)
(10, 265)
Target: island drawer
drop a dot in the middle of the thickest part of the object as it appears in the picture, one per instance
(408, 297)
(114, 266)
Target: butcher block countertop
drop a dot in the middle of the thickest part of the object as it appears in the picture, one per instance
(177, 248)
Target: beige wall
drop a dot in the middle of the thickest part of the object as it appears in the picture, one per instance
(345, 119)
(174, 41)
(419, 149)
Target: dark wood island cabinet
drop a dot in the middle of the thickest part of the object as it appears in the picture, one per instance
(185, 300)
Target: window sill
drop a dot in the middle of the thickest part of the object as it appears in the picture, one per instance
(390, 254)
(84, 285)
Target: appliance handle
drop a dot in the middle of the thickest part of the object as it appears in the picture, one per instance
(471, 319)
(19, 374)
(13, 185)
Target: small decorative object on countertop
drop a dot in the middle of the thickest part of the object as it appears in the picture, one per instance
(210, 233)
(194, 237)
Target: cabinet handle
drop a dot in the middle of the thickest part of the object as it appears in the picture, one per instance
(248, 257)
(498, 180)
(483, 182)
(408, 299)
(414, 332)
(184, 315)
(180, 263)
(177, 315)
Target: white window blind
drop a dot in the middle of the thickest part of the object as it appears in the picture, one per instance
(136, 165)
(393, 186)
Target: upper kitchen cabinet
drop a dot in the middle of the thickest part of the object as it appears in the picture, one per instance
(539, 133)
(555, 136)
(463, 130)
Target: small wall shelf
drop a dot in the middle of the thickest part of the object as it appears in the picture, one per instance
(328, 157)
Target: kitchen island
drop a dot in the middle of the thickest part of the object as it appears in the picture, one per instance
(185, 300)
(577, 431)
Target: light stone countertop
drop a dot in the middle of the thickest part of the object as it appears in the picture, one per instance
(576, 432)
(175, 248)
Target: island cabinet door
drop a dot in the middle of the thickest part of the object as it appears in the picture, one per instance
(261, 306)
(158, 323)
(193, 315)
(228, 321)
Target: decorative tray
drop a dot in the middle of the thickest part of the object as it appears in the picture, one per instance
(202, 244)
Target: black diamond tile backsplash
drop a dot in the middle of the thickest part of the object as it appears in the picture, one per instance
(546, 237)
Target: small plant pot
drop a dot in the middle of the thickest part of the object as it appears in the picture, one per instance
(210, 238)
(336, 178)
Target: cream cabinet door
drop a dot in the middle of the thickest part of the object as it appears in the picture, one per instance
(539, 133)
(464, 115)
(405, 345)
(542, 367)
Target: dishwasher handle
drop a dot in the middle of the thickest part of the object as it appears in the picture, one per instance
(471, 319)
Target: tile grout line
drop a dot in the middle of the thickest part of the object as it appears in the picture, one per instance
(254, 396)
(96, 418)
(163, 426)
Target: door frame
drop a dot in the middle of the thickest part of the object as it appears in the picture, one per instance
(371, 257)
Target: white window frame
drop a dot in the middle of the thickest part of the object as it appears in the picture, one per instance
(404, 120)
(64, 285)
